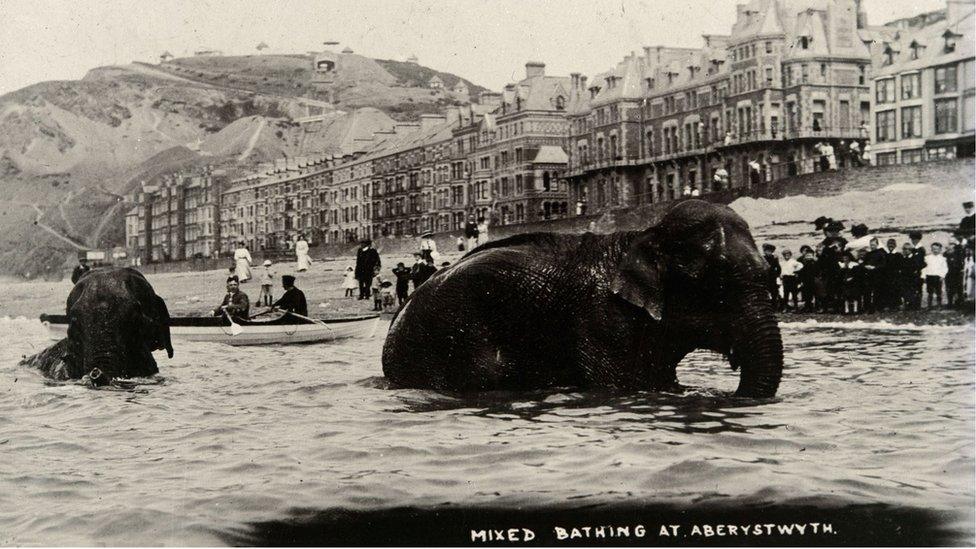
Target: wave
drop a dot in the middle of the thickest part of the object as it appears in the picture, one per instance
(811, 324)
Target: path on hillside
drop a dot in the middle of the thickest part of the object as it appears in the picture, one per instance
(157, 120)
(54, 232)
(252, 141)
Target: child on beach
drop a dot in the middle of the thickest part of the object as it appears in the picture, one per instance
(402, 274)
(790, 279)
(267, 282)
(386, 295)
(852, 277)
(376, 288)
(349, 282)
(933, 273)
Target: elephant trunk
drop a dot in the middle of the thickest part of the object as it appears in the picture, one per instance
(757, 350)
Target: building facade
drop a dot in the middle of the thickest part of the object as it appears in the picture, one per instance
(742, 110)
(924, 91)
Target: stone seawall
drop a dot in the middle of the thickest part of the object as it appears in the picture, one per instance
(867, 179)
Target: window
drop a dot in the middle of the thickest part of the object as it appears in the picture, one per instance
(769, 75)
(946, 116)
(886, 159)
(912, 156)
(885, 126)
(910, 87)
(911, 122)
(804, 73)
(885, 91)
(769, 47)
(945, 79)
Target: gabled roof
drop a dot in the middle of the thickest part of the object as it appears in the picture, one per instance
(550, 154)
(931, 40)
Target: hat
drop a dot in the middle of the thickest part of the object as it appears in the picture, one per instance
(917, 235)
(821, 222)
(427, 235)
(365, 241)
(859, 230)
(769, 247)
(267, 263)
(834, 226)
(233, 278)
(288, 279)
(967, 204)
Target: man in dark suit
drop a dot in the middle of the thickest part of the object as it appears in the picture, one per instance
(235, 302)
(80, 270)
(967, 225)
(293, 300)
(367, 263)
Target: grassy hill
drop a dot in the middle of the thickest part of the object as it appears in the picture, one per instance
(69, 148)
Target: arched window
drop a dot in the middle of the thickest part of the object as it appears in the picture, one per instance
(560, 103)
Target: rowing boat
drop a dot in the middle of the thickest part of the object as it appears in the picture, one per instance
(282, 330)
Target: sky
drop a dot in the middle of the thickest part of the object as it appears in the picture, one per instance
(484, 41)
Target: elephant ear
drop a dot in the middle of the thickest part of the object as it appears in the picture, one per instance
(639, 278)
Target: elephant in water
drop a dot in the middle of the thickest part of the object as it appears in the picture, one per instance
(614, 311)
(115, 322)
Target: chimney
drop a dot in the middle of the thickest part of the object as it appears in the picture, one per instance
(428, 121)
(582, 83)
(574, 78)
(490, 98)
(535, 68)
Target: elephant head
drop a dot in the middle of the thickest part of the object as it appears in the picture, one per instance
(115, 321)
(700, 277)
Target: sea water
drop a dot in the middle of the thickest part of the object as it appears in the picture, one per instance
(866, 413)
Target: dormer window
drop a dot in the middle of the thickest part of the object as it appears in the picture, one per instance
(889, 55)
(805, 42)
(560, 103)
(650, 83)
(950, 41)
(916, 49)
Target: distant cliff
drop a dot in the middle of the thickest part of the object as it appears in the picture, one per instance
(68, 149)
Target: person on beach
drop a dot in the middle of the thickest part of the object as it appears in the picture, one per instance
(874, 264)
(349, 283)
(482, 231)
(267, 282)
(967, 225)
(471, 232)
(367, 265)
(911, 273)
(242, 263)
(791, 282)
(852, 277)
(421, 271)
(293, 300)
(235, 303)
(80, 270)
(402, 274)
(808, 276)
(955, 260)
(969, 274)
(377, 286)
(889, 293)
(303, 260)
(460, 243)
(428, 248)
(769, 254)
(934, 271)
(917, 264)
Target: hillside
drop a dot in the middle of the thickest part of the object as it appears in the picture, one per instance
(69, 149)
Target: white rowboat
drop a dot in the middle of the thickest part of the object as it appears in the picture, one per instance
(282, 330)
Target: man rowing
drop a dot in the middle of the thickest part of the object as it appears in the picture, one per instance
(293, 301)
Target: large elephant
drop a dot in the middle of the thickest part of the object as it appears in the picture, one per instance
(612, 311)
(116, 321)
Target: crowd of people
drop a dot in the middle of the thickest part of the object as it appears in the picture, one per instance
(862, 276)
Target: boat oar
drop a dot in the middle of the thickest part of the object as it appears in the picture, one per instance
(271, 310)
(235, 328)
(312, 320)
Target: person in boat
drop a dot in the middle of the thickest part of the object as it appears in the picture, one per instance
(293, 300)
(235, 303)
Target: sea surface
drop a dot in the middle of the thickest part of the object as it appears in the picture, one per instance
(867, 413)
(226, 438)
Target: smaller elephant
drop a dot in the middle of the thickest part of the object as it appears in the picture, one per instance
(115, 322)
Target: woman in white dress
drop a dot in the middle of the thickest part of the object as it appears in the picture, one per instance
(242, 262)
(301, 252)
